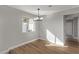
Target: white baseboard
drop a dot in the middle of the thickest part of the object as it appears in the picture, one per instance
(42, 38)
(15, 46)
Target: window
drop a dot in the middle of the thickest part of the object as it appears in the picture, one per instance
(31, 26)
(28, 25)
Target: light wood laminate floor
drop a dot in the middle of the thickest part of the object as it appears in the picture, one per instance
(44, 47)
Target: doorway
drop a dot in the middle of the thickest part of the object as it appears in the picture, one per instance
(71, 30)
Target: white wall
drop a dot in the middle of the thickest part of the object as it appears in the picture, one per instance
(53, 28)
(11, 28)
(55, 24)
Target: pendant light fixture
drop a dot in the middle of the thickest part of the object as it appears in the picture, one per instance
(38, 18)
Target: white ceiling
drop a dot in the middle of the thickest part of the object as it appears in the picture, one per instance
(44, 9)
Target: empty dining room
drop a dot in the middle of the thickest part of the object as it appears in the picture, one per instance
(39, 29)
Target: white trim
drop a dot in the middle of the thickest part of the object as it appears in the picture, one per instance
(57, 43)
(15, 46)
(42, 38)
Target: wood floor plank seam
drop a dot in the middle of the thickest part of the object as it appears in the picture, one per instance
(39, 47)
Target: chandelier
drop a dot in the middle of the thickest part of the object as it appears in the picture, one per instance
(38, 18)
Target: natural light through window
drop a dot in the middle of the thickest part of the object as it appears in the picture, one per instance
(50, 36)
(31, 25)
(53, 38)
(24, 27)
(28, 25)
